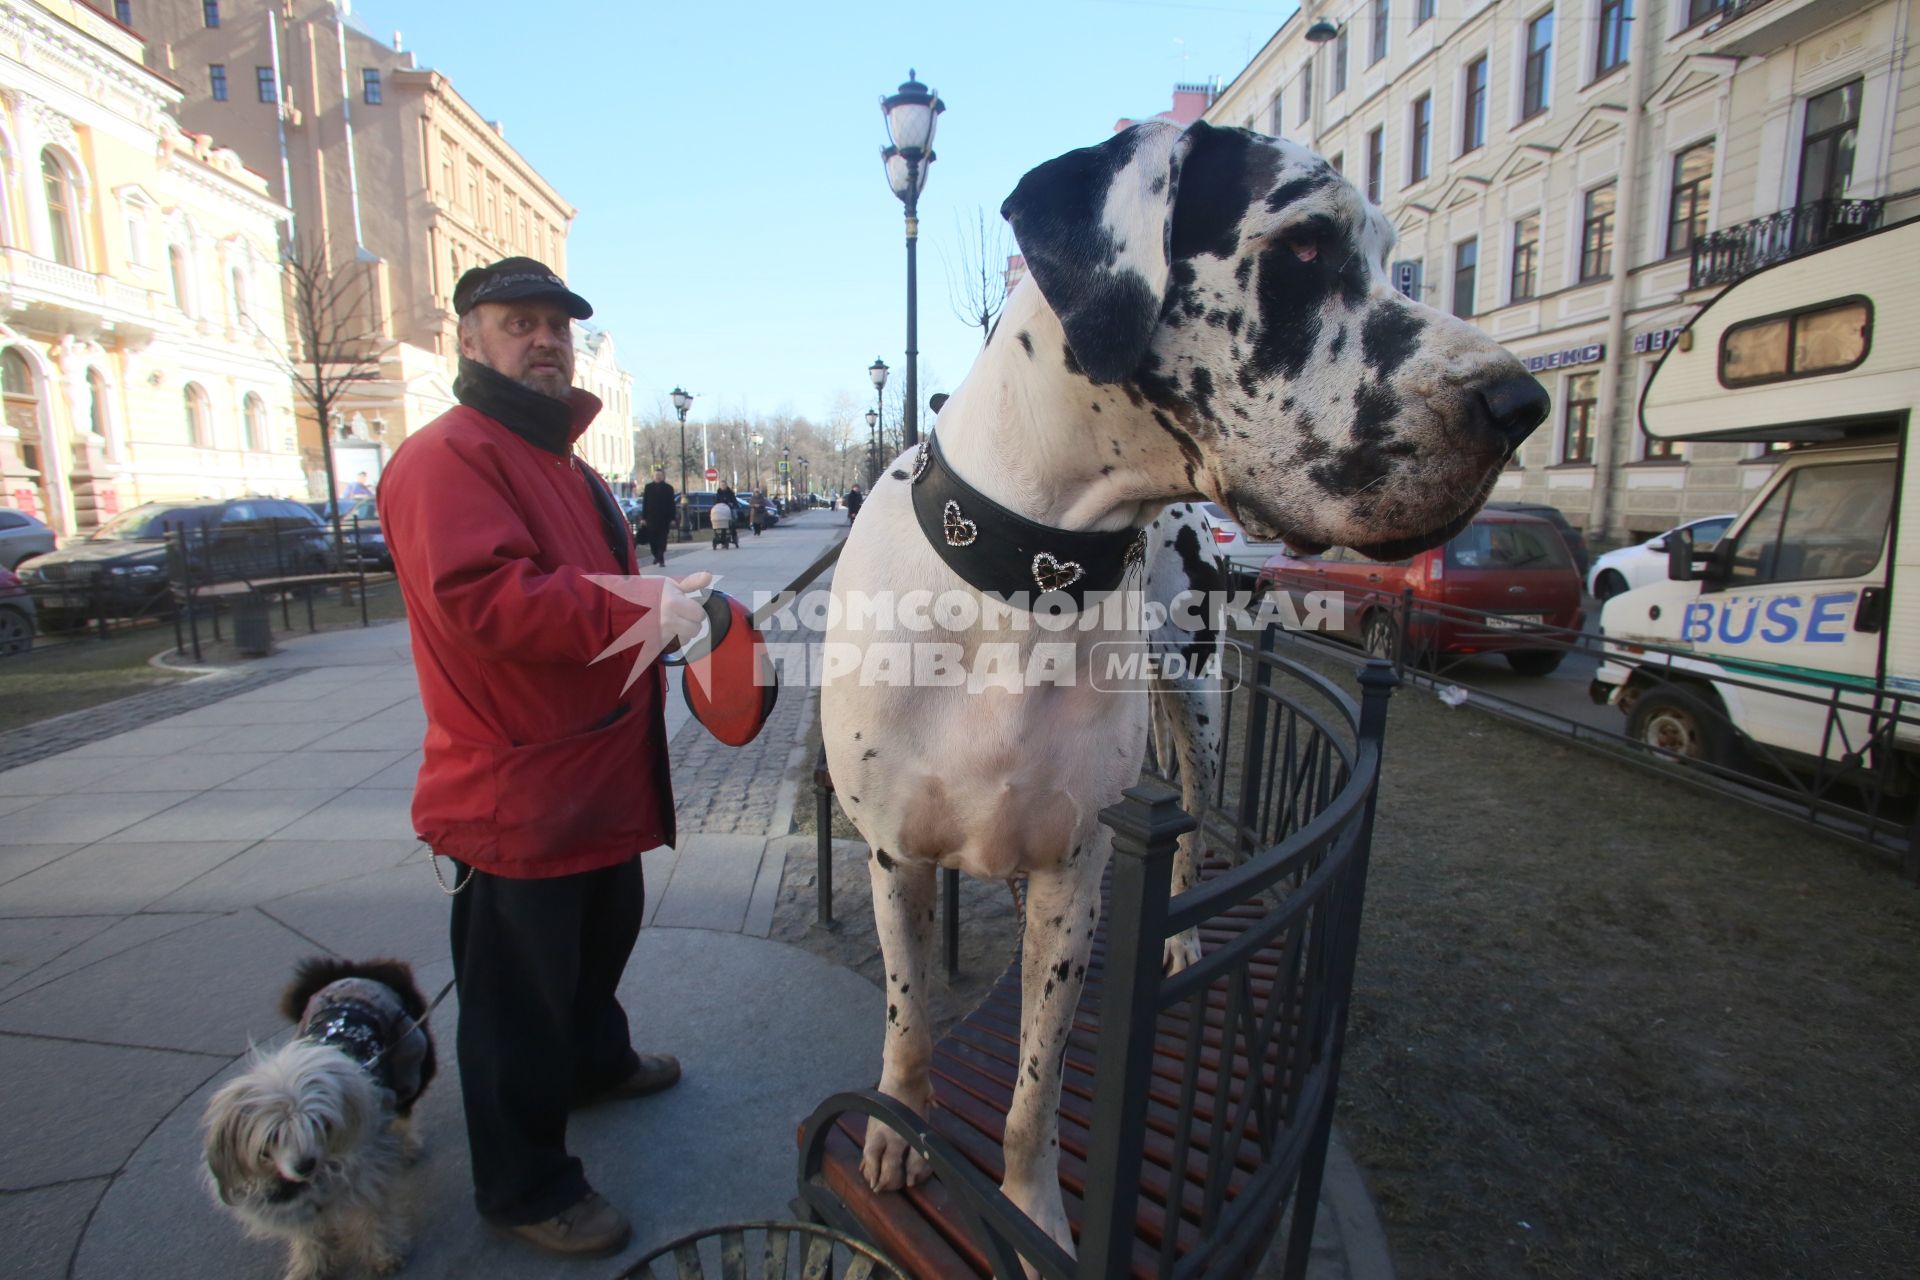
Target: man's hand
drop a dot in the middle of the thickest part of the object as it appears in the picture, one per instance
(674, 614)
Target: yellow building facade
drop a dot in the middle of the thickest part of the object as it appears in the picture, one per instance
(141, 323)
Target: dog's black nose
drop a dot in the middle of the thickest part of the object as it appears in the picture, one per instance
(305, 1166)
(1514, 407)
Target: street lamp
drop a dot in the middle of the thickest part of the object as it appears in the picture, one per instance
(911, 116)
(757, 440)
(873, 445)
(878, 372)
(681, 403)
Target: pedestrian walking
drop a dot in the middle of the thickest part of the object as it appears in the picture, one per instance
(543, 779)
(656, 510)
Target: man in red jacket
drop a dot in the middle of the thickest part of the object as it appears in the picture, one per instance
(544, 778)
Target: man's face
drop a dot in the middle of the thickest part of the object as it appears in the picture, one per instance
(529, 341)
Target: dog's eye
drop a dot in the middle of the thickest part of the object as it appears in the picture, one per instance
(1305, 245)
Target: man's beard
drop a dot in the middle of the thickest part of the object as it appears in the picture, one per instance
(553, 384)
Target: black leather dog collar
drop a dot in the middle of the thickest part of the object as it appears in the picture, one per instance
(1005, 554)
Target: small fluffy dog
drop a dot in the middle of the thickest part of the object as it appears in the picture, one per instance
(309, 1145)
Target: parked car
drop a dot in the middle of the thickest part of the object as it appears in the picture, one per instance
(360, 536)
(699, 504)
(1497, 576)
(122, 570)
(17, 615)
(22, 535)
(1626, 568)
(1245, 556)
(1576, 541)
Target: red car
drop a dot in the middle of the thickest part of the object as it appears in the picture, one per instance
(1483, 592)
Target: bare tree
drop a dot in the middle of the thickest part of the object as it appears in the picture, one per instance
(330, 306)
(978, 289)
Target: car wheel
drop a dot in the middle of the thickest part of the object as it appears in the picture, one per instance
(1608, 585)
(1682, 723)
(16, 633)
(1378, 636)
(1536, 662)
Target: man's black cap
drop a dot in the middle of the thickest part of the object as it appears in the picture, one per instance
(512, 279)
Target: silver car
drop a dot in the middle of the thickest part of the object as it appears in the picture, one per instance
(21, 535)
(1244, 556)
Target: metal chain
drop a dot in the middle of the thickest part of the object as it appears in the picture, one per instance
(433, 861)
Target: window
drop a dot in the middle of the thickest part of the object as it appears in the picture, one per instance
(254, 412)
(136, 215)
(1420, 145)
(1653, 449)
(263, 84)
(177, 262)
(1422, 11)
(237, 285)
(1500, 545)
(1614, 16)
(63, 239)
(217, 77)
(1539, 66)
(1275, 115)
(1576, 441)
(1698, 11)
(210, 10)
(1826, 152)
(1473, 125)
(370, 86)
(1596, 234)
(1339, 162)
(123, 12)
(1376, 157)
(1830, 338)
(1819, 523)
(1378, 48)
(1525, 279)
(195, 405)
(1466, 267)
(1692, 195)
(1339, 84)
(1306, 92)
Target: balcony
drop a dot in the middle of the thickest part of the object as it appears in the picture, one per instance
(74, 297)
(1725, 256)
(1748, 28)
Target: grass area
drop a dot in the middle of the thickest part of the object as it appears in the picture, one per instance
(71, 673)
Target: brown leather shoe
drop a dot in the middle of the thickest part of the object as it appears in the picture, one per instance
(588, 1228)
(656, 1071)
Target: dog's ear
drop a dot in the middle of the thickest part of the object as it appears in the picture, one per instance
(225, 1165)
(1094, 227)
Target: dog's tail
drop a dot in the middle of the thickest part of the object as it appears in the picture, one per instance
(323, 971)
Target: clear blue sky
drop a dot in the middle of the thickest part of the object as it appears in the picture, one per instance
(736, 234)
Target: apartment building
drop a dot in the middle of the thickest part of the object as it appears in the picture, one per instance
(607, 444)
(1579, 177)
(139, 310)
(382, 161)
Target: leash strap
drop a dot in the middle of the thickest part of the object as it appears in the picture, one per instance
(411, 1027)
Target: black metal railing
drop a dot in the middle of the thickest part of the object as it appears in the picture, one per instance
(1727, 255)
(1734, 10)
(1259, 1019)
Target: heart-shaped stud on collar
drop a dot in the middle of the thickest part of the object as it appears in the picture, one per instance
(960, 531)
(1050, 574)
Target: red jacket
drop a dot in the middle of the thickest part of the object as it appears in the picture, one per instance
(536, 765)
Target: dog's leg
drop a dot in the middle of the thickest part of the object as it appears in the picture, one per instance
(1186, 734)
(903, 894)
(1063, 907)
(412, 1145)
(309, 1255)
(380, 1237)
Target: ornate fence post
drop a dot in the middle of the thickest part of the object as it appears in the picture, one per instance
(1147, 825)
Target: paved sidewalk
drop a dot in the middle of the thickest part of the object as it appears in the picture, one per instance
(157, 884)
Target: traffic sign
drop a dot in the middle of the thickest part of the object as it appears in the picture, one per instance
(784, 468)
(713, 475)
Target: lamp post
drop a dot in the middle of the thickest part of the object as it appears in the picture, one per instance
(878, 372)
(873, 445)
(911, 116)
(757, 440)
(681, 403)
(786, 472)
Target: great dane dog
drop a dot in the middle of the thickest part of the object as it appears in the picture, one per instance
(1207, 314)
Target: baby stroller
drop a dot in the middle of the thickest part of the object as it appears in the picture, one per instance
(724, 534)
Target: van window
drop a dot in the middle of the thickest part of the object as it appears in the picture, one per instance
(1507, 546)
(1818, 523)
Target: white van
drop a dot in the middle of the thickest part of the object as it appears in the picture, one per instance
(1801, 627)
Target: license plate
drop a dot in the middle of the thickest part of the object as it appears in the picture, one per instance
(1514, 621)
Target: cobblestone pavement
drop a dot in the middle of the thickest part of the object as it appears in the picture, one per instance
(64, 733)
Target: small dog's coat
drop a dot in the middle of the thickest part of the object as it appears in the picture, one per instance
(309, 1145)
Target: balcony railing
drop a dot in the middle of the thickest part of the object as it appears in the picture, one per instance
(1725, 256)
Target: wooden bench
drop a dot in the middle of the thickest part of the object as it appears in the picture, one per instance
(1196, 1109)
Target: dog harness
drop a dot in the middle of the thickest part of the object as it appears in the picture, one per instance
(352, 1017)
(1003, 553)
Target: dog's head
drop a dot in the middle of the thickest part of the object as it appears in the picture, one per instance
(1235, 287)
(288, 1127)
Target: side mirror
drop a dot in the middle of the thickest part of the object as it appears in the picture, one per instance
(1680, 555)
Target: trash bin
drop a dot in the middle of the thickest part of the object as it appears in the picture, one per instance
(252, 632)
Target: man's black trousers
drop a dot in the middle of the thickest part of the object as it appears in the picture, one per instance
(657, 542)
(538, 962)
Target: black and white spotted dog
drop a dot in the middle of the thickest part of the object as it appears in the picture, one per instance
(1207, 315)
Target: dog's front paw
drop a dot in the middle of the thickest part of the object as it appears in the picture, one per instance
(1049, 1213)
(1182, 950)
(888, 1162)
(388, 1261)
